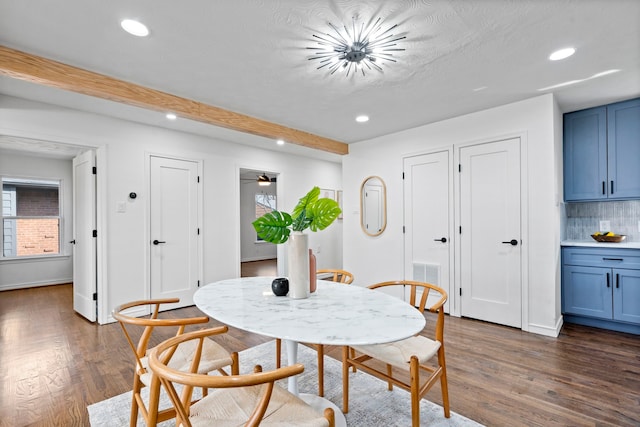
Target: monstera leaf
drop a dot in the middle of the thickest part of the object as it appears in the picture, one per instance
(311, 212)
(273, 227)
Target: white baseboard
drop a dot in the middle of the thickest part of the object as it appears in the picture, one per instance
(14, 286)
(262, 258)
(547, 331)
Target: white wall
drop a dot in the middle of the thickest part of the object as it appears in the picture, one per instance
(126, 146)
(537, 120)
(24, 273)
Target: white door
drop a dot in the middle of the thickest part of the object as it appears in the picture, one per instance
(427, 220)
(174, 230)
(490, 263)
(84, 242)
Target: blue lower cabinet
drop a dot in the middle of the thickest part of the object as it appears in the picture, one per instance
(587, 291)
(626, 296)
(605, 296)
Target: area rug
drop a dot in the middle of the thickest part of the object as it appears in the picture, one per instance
(370, 403)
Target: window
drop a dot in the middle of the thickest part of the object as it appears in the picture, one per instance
(30, 217)
(265, 203)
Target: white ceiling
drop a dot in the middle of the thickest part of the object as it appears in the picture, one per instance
(250, 56)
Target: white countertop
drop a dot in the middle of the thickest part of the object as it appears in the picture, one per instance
(593, 244)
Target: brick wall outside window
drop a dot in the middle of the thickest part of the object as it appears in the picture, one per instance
(37, 236)
(33, 235)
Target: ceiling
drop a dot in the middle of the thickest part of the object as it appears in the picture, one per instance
(250, 57)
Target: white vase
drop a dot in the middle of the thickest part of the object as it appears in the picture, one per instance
(298, 262)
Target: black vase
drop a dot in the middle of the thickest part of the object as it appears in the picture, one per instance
(280, 286)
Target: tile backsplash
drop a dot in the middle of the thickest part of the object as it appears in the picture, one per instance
(583, 219)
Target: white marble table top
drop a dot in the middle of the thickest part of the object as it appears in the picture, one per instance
(336, 313)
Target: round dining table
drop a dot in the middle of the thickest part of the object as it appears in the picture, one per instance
(335, 314)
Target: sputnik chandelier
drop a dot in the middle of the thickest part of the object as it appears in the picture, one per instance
(357, 49)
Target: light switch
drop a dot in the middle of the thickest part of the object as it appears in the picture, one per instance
(121, 207)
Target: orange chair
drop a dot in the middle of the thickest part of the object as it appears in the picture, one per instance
(213, 357)
(249, 399)
(413, 356)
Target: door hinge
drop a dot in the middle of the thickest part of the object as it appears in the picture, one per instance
(198, 179)
(95, 296)
(94, 170)
(402, 175)
(460, 230)
(198, 283)
(95, 233)
(459, 167)
(460, 291)
(403, 230)
(198, 231)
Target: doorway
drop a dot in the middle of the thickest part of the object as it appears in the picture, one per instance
(428, 220)
(258, 195)
(490, 232)
(175, 238)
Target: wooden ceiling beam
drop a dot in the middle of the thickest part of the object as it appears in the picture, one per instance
(43, 71)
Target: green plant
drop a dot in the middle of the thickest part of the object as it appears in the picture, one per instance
(311, 212)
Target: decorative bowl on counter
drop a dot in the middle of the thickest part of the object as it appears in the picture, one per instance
(616, 238)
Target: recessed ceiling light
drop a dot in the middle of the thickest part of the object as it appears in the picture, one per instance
(362, 119)
(280, 142)
(171, 116)
(562, 54)
(134, 27)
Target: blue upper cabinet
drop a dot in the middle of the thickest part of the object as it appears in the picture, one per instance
(585, 154)
(602, 152)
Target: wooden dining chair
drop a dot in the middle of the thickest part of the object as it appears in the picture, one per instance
(413, 358)
(213, 357)
(248, 399)
(334, 275)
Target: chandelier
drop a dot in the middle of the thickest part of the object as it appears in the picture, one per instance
(356, 50)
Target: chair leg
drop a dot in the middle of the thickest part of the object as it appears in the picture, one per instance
(278, 351)
(443, 383)
(345, 379)
(137, 385)
(353, 356)
(389, 372)
(320, 349)
(154, 401)
(414, 372)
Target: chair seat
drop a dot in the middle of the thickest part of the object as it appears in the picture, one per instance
(399, 353)
(232, 407)
(214, 357)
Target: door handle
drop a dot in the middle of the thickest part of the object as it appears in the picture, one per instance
(443, 240)
(512, 242)
(617, 280)
(157, 242)
(608, 284)
(73, 242)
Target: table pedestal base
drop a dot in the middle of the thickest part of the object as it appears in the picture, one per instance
(320, 404)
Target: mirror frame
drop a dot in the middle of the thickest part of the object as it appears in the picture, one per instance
(384, 206)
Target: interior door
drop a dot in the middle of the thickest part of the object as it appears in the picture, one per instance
(84, 242)
(490, 263)
(427, 220)
(174, 234)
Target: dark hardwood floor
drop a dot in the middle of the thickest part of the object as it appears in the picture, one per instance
(267, 267)
(53, 363)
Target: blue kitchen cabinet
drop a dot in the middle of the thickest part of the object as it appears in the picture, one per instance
(602, 152)
(601, 287)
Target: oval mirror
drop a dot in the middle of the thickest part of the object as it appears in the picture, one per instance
(373, 206)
